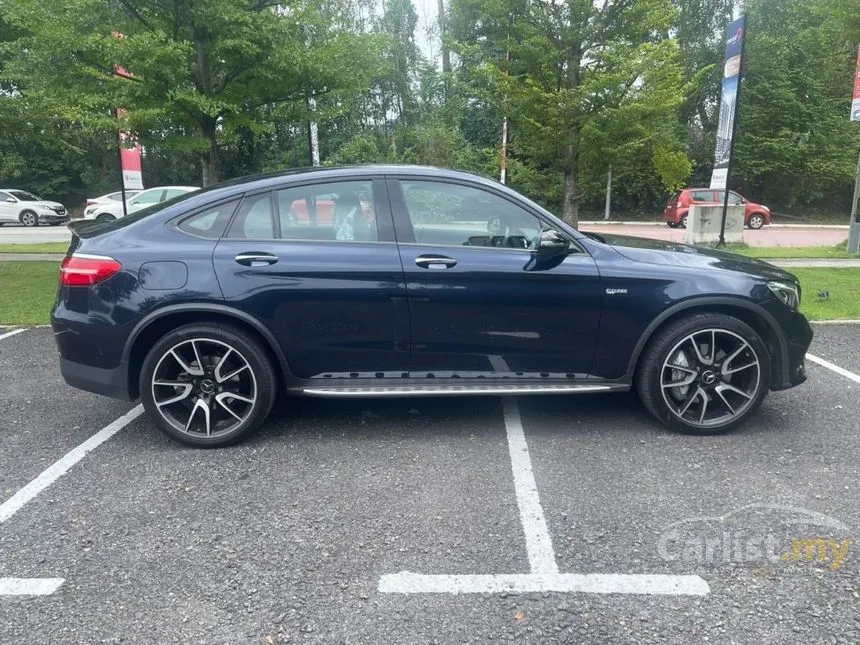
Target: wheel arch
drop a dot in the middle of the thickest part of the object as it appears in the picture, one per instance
(161, 321)
(749, 312)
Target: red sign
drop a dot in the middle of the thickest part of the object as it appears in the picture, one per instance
(129, 148)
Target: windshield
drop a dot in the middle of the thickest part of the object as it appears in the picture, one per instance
(24, 196)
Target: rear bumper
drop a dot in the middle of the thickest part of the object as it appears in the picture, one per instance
(107, 382)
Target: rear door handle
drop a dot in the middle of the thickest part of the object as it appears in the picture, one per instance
(256, 259)
(435, 262)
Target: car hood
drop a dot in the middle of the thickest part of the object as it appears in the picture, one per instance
(46, 204)
(648, 251)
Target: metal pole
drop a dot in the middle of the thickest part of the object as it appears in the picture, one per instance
(119, 158)
(504, 171)
(854, 229)
(608, 194)
(722, 240)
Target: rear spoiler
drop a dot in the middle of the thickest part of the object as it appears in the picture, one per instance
(86, 228)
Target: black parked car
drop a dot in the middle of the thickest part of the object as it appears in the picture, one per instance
(404, 281)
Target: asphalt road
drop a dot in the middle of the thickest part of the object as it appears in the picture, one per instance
(285, 538)
(777, 235)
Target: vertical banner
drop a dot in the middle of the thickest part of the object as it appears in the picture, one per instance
(728, 103)
(855, 103)
(129, 148)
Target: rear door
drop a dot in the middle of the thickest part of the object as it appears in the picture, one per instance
(480, 301)
(317, 264)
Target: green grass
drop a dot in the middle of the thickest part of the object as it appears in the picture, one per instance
(27, 291)
(843, 302)
(40, 247)
(782, 252)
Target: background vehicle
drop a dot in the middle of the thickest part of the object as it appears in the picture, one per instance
(755, 215)
(149, 197)
(21, 207)
(94, 202)
(213, 305)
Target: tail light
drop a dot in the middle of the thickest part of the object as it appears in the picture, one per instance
(90, 202)
(87, 270)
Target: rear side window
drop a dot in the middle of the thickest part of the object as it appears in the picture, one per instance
(170, 193)
(210, 223)
(703, 196)
(254, 219)
(149, 197)
(335, 211)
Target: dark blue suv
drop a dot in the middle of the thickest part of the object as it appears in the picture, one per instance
(405, 281)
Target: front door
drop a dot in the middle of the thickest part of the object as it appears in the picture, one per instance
(317, 263)
(481, 302)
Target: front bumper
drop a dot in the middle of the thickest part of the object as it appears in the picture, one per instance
(54, 217)
(107, 382)
(797, 336)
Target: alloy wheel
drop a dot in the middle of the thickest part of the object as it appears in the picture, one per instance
(29, 219)
(204, 387)
(756, 222)
(710, 378)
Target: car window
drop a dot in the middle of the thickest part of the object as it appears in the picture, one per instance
(209, 223)
(703, 196)
(24, 196)
(452, 214)
(4, 196)
(147, 197)
(338, 211)
(254, 218)
(170, 193)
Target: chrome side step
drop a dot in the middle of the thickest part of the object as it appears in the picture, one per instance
(442, 389)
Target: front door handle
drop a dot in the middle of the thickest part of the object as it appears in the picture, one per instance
(256, 259)
(435, 262)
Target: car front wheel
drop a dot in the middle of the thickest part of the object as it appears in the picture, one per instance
(105, 217)
(29, 218)
(755, 222)
(207, 386)
(704, 374)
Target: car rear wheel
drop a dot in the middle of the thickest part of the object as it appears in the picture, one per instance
(704, 374)
(207, 386)
(672, 224)
(105, 217)
(684, 221)
(29, 218)
(756, 221)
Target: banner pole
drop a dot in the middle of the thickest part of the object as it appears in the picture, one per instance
(735, 119)
(121, 171)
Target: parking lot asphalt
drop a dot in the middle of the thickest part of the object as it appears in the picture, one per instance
(285, 538)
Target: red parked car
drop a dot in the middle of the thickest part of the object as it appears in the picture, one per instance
(755, 215)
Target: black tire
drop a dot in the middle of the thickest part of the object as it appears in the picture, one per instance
(105, 217)
(262, 376)
(756, 221)
(673, 338)
(683, 222)
(29, 218)
(672, 224)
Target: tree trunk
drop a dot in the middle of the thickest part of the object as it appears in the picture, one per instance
(570, 205)
(446, 53)
(209, 159)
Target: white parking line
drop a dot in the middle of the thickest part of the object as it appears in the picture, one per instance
(11, 333)
(544, 574)
(536, 582)
(62, 466)
(538, 541)
(29, 586)
(835, 368)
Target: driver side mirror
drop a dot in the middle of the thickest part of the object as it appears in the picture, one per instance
(552, 242)
(10, 200)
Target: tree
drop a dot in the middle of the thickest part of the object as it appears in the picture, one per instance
(580, 76)
(201, 68)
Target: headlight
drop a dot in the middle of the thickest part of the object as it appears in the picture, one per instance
(788, 292)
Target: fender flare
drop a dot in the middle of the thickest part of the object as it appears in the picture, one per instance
(697, 303)
(204, 308)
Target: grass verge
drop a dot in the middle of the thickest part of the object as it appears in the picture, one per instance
(837, 252)
(27, 291)
(40, 247)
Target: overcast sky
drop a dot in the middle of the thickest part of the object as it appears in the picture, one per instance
(426, 10)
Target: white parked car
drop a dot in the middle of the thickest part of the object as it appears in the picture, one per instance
(21, 207)
(143, 199)
(94, 203)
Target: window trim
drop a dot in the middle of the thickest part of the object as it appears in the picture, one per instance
(406, 233)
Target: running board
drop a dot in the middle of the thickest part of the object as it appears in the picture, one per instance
(421, 390)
